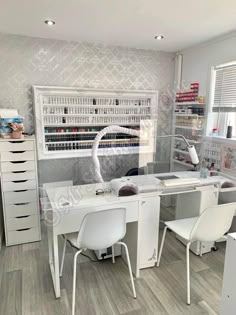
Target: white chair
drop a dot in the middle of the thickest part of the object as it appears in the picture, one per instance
(101, 229)
(210, 226)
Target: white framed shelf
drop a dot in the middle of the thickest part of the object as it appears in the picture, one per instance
(182, 163)
(68, 119)
(101, 141)
(100, 115)
(92, 106)
(181, 151)
(189, 140)
(189, 104)
(189, 115)
(64, 154)
(70, 133)
(188, 127)
(89, 124)
(189, 121)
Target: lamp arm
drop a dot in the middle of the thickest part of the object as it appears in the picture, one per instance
(109, 129)
(115, 129)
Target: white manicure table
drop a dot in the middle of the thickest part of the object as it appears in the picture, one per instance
(69, 205)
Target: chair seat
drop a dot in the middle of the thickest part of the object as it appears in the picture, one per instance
(182, 227)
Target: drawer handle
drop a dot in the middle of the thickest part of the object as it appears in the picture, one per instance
(22, 216)
(21, 204)
(16, 141)
(24, 229)
(17, 162)
(17, 152)
(20, 181)
(17, 172)
(22, 190)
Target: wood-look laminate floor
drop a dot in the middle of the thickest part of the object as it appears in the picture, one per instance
(104, 289)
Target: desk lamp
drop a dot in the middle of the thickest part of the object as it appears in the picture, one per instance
(115, 129)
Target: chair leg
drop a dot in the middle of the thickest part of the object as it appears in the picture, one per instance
(188, 273)
(161, 247)
(129, 266)
(113, 254)
(200, 244)
(63, 256)
(74, 281)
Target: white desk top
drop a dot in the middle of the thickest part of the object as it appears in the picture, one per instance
(84, 195)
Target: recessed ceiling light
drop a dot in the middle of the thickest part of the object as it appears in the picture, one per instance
(49, 22)
(159, 37)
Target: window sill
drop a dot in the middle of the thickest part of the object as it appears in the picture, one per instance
(220, 139)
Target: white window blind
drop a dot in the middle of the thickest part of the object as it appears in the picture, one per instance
(225, 89)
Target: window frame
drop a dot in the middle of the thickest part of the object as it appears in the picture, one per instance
(211, 112)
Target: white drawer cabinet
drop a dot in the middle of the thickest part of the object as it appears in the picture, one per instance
(19, 187)
(17, 166)
(16, 176)
(21, 209)
(16, 197)
(17, 145)
(22, 222)
(17, 156)
(23, 236)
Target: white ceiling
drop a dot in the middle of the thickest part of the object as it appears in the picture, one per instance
(132, 23)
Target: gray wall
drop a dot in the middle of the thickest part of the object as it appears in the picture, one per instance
(198, 60)
(25, 61)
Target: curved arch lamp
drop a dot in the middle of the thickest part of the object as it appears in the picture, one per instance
(115, 129)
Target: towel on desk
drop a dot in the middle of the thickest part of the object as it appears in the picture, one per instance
(180, 182)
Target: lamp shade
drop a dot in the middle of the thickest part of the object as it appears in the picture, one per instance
(193, 154)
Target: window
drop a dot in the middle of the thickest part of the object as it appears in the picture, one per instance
(223, 98)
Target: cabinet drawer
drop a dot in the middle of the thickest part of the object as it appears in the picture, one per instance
(14, 197)
(17, 166)
(22, 222)
(20, 209)
(14, 145)
(23, 236)
(20, 175)
(19, 185)
(17, 156)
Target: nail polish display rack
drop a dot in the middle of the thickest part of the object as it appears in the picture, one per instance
(189, 121)
(68, 120)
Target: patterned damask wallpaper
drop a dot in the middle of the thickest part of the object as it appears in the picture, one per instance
(25, 61)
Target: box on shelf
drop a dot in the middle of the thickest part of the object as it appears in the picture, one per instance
(188, 96)
(8, 117)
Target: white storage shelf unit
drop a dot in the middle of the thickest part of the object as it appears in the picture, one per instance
(19, 186)
(68, 119)
(189, 121)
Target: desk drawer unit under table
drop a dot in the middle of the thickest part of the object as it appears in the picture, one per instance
(19, 187)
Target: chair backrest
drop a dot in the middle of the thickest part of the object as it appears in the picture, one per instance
(102, 229)
(213, 223)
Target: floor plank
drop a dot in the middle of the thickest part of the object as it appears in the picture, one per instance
(11, 293)
(104, 288)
